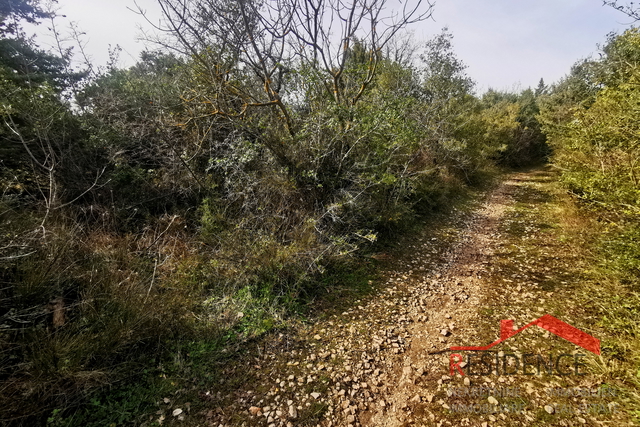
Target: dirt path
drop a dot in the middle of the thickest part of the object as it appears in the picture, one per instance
(385, 361)
(451, 296)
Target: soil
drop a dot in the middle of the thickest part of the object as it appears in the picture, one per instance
(386, 360)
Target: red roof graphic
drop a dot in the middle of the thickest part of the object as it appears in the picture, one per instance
(551, 324)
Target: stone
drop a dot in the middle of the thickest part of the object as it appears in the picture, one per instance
(550, 409)
(293, 412)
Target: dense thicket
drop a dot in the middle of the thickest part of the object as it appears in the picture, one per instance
(591, 116)
(593, 123)
(215, 182)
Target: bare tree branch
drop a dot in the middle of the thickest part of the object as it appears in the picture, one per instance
(629, 9)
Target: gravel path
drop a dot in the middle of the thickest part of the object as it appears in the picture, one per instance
(385, 361)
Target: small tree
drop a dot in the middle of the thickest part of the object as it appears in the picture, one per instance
(13, 11)
(245, 52)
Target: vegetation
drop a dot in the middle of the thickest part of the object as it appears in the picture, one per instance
(216, 187)
(552, 260)
(591, 118)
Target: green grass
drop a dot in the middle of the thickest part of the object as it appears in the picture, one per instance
(583, 265)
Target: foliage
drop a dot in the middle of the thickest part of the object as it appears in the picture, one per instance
(24, 65)
(600, 148)
(131, 117)
(621, 254)
(444, 77)
(592, 120)
(212, 189)
(13, 11)
(597, 144)
(529, 144)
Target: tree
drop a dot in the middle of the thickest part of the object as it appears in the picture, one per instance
(621, 58)
(36, 123)
(448, 108)
(592, 120)
(245, 52)
(13, 11)
(133, 117)
(368, 23)
(444, 74)
(629, 9)
(542, 88)
(575, 91)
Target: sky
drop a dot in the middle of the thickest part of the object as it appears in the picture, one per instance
(506, 44)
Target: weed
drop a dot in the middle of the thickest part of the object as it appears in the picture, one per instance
(580, 267)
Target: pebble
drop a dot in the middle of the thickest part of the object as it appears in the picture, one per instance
(359, 381)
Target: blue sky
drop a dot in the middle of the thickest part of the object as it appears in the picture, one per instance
(506, 44)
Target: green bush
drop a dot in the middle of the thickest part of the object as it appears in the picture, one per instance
(596, 144)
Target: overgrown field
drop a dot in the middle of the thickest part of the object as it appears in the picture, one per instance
(250, 163)
(217, 187)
